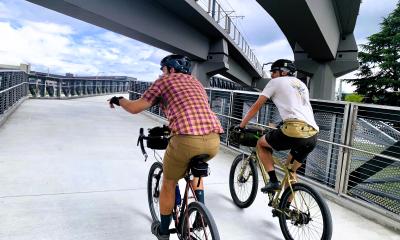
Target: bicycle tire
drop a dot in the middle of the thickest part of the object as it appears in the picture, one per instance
(247, 201)
(152, 196)
(306, 219)
(206, 227)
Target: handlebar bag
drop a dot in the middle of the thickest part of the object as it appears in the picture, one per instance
(158, 138)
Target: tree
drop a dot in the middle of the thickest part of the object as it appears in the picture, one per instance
(379, 70)
(354, 98)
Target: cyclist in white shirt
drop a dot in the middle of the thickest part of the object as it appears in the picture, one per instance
(298, 131)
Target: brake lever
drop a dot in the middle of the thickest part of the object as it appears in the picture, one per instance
(140, 140)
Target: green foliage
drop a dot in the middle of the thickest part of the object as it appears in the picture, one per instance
(354, 98)
(379, 71)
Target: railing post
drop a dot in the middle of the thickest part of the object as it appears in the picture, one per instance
(219, 13)
(213, 9)
(230, 116)
(351, 127)
(227, 24)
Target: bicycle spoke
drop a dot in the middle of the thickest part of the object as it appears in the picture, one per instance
(243, 173)
(197, 227)
(306, 221)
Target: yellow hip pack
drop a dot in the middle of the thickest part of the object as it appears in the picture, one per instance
(297, 129)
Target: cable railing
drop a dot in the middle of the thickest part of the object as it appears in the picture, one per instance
(17, 85)
(343, 162)
(13, 89)
(224, 20)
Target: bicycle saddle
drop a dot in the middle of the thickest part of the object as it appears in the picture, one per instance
(201, 157)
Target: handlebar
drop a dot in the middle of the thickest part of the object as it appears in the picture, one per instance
(140, 141)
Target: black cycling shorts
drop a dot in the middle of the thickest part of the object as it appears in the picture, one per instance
(299, 147)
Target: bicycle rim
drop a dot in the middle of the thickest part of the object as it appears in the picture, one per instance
(308, 216)
(154, 184)
(199, 224)
(243, 181)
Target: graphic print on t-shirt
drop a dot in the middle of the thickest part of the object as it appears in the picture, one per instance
(300, 91)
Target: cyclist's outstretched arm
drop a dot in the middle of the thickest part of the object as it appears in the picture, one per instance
(135, 106)
(253, 110)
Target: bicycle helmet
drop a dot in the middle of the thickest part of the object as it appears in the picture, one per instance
(284, 65)
(179, 62)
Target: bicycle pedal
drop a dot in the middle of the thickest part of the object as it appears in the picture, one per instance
(269, 191)
(266, 191)
(275, 213)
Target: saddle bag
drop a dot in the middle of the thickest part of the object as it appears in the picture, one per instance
(200, 169)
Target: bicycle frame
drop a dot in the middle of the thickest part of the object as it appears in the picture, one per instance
(185, 203)
(287, 179)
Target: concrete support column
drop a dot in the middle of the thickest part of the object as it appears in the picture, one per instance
(59, 85)
(84, 88)
(217, 62)
(322, 83)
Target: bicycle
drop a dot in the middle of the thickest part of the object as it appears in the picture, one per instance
(302, 212)
(192, 219)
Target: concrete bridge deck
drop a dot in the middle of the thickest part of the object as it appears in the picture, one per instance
(70, 169)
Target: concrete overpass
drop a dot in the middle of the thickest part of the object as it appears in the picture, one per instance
(175, 26)
(320, 33)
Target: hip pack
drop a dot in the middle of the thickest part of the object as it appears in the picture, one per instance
(297, 129)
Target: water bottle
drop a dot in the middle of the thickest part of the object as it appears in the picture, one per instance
(178, 198)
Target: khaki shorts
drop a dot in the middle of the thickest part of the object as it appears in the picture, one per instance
(182, 148)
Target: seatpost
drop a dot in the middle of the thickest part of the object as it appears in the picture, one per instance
(198, 183)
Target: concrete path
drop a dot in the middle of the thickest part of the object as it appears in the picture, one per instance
(70, 169)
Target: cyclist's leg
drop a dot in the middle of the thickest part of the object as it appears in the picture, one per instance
(294, 165)
(301, 148)
(275, 139)
(297, 156)
(264, 151)
(174, 169)
(167, 201)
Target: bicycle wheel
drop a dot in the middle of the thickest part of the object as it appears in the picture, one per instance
(243, 181)
(198, 223)
(154, 183)
(308, 216)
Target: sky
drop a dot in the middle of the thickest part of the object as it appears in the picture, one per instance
(54, 42)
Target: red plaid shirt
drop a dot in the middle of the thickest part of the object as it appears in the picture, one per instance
(185, 104)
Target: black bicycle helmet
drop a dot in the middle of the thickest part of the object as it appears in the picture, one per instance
(179, 62)
(284, 65)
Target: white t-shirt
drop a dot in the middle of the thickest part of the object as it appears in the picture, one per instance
(291, 97)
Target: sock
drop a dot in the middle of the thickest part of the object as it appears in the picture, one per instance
(200, 195)
(288, 205)
(272, 176)
(165, 222)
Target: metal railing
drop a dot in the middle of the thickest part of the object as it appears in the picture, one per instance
(13, 88)
(224, 20)
(358, 151)
(15, 85)
(373, 161)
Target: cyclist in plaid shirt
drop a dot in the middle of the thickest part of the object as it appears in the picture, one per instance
(195, 128)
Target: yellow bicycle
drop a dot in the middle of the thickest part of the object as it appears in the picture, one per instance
(302, 212)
